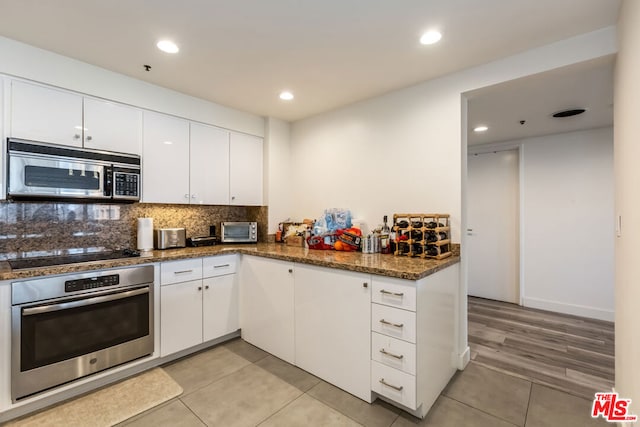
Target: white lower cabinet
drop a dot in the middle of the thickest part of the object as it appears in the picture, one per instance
(266, 305)
(219, 306)
(198, 301)
(413, 338)
(180, 316)
(332, 339)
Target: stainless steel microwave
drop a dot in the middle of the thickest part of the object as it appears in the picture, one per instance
(239, 232)
(46, 171)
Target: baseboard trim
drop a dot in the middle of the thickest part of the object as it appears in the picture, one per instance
(463, 359)
(574, 309)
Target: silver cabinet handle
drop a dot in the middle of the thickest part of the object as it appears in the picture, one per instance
(397, 325)
(199, 288)
(221, 266)
(386, 353)
(291, 270)
(183, 272)
(194, 195)
(206, 287)
(365, 285)
(395, 387)
(186, 196)
(395, 294)
(89, 137)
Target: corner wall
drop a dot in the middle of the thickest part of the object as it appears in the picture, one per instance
(627, 177)
(403, 151)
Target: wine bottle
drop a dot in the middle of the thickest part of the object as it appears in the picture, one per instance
(385, 247)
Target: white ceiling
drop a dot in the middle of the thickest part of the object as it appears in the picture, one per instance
(536, 98)
(329, 53)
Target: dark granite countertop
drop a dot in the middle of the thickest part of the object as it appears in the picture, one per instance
(383, 265)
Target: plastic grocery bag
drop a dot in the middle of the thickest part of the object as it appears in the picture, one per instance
(333, 219)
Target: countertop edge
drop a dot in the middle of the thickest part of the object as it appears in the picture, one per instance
(351, 261)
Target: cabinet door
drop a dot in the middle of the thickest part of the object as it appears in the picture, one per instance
(332, 329)
(180, 316)
(111, 126)
(165, 159)
(209, 153)
(245, 175)
(219, 306)
(45, 114)
(4, 114)
(266, 305)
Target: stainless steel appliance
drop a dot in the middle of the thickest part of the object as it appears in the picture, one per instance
(239, 232)
(46, 171)
(166, 238)
(67, 327)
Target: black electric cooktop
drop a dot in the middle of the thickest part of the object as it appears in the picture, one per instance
(48, 261)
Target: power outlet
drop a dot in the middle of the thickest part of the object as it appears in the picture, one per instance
(114, 212)
(100, 212)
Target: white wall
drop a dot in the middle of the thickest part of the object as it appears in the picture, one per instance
(567, 217)
(404, 150)
(627, 177)
(22, 60)
(277, 172)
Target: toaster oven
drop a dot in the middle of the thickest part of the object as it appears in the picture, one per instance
(239, 232)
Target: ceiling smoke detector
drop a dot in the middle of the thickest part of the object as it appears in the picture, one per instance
(569, 113)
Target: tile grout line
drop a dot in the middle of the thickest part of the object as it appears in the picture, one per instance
(526, 415)
(281, 409)
(336, 409)
(479, 410)
(194, 414)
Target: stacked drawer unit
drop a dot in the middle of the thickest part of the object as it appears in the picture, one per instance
(393, 340)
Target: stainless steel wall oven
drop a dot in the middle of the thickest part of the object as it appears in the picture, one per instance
(67, 327)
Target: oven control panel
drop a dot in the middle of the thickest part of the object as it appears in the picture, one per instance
(91, 283)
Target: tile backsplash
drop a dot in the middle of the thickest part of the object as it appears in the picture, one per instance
(46, 228)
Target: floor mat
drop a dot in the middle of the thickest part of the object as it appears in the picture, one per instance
(110, 405)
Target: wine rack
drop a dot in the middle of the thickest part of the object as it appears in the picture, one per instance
(422, 235)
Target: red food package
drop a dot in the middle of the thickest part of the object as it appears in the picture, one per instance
(318, 242)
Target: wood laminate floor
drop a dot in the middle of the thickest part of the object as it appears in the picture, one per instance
(568, 353)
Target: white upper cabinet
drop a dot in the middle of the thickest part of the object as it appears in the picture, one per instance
(111, 126)
(165, 159)
(45, 114)
(245, 178)
(209, 169)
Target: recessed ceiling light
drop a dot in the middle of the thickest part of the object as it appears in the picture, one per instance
(168, 142)
(430, 37)
(287, 96)
(167, 46)
(480, 129)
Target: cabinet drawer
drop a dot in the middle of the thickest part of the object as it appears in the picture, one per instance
(219, 265)
(394, 293)
(393, 352)
(393, 322)
(393, 384)
(180, 271)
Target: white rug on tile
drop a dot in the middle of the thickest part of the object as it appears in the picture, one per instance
(110, 405)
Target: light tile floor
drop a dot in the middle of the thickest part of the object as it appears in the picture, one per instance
(237, 384)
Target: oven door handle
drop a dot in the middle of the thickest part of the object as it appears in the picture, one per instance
(84, 302)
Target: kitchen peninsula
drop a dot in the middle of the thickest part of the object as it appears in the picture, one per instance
(377, 326)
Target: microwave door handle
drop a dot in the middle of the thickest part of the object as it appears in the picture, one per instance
(108, 181)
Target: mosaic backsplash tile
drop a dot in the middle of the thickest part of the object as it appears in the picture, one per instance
(49, 228)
